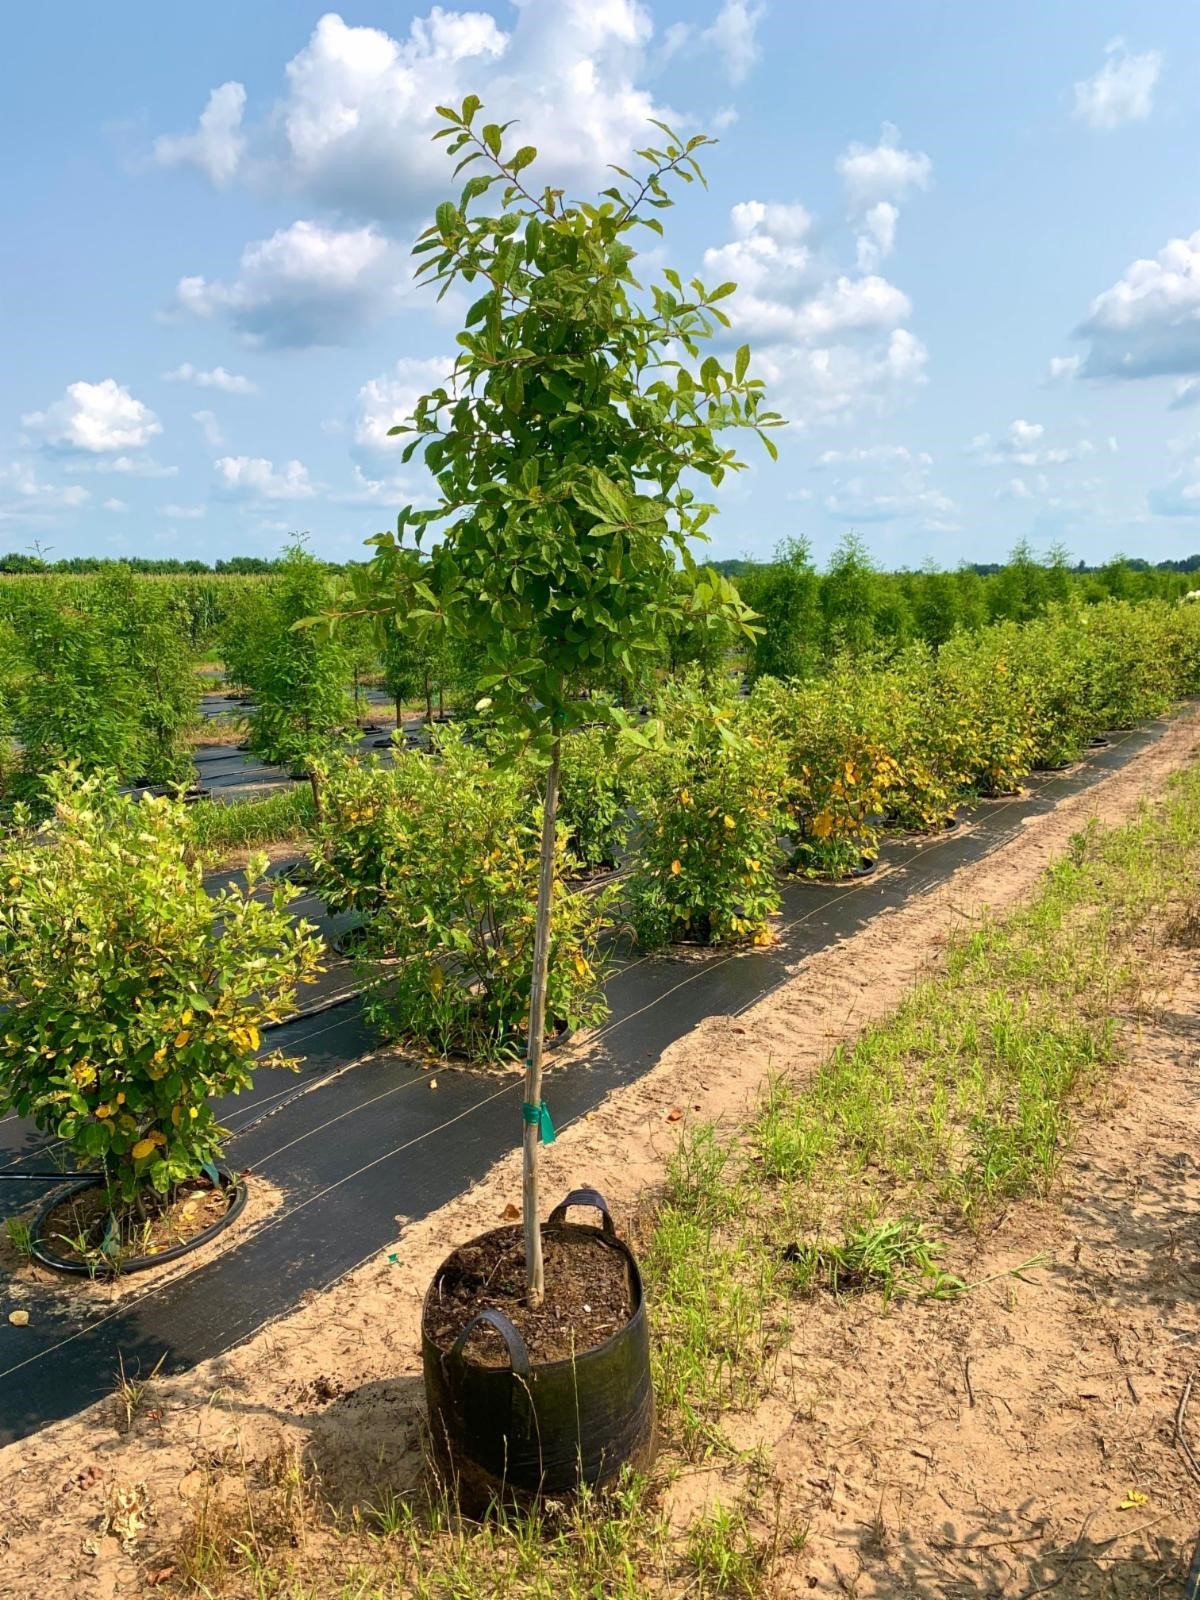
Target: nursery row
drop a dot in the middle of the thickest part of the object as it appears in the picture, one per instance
(705, 804)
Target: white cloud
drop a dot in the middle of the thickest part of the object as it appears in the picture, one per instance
(136, 467)
(217, 146)
(211, 428)
(780, 291)
(838, 383)
(214, 378)
(1022, 445)
(1122, 91)
(1187, 393)
(894, 454)
(367, 490)
(305, 285)
(1148, 323)
(1016, 489)
(389, 399)
(1063, 368)
(878, 238)
(182, 513)
(115, 505)
(884, 171)
(352, 128)
(255, 478)
(734, 36)
(20, 486)
(890, 485)
(96, 418)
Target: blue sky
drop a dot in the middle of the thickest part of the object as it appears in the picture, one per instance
(967, 239)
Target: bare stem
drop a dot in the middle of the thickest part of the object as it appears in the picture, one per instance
(534, 1279)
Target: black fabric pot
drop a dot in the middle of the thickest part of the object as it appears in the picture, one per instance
(43, 1250)
(533, 1428)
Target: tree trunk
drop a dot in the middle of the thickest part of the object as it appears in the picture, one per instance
(399, 712)
(537, 1033)
(428, 701)
(441, 703)
(315, 784)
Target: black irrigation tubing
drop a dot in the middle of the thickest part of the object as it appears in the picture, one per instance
(362, 1136)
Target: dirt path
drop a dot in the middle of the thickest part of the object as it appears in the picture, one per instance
(906, 1461)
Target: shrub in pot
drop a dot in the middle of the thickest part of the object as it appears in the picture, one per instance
(131, 998)
(710, 817)
(929, 738)
(350, 837)
(565, 447)
(458, 859)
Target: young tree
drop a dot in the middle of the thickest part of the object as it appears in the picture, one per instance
(563, 446)
(298, 677)
(787, 599)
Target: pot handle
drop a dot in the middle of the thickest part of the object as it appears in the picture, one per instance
(518, 1355)
(586, 1197)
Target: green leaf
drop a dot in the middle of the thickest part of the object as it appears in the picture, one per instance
(741, 361)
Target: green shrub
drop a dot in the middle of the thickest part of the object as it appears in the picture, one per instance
(597, 789)
(453, 909)
(840, 775)
(131, 998)
(352, 838)
(711, 817)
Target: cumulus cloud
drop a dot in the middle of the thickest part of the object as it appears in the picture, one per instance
(213, 378)
(95, 418)
(115, 505)
(369, 489)
(734, 36)
(1187, 393)
(182, 513)
(22, 489)
(210, 427)
(780, 289)
(872, 173)
(1023, 444)
(385, 401)
(217, 146)
(305, 285)
(834, 340)
(351, 130)
(889, 484)
(838, 383)
(255, 478)
(1148, 323)
(1122, 91)
(1063, 368)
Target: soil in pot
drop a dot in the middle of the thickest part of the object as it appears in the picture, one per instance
(77, 1229)
(587, 1297)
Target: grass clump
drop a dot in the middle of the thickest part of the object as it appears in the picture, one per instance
(219, 830)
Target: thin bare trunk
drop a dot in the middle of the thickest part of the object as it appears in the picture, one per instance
(315, 784)
(534, 1280)
(428, 701)
(399, 713)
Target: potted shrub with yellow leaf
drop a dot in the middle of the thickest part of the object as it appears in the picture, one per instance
(565, 446)
(131, 1001)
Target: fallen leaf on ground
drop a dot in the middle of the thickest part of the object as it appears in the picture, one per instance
(674, 1114)
(19, 1319)
(1133, 1500)
(510, 1212)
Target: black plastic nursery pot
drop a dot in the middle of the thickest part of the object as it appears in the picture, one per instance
(528, 1428)
(44, 1251)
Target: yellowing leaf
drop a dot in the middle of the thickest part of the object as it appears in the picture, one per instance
(729, 822)
(1133, 1499)
(104, 1111)
(185, 1019)
(676, 867)
(142, 1149)
(181, 1039)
